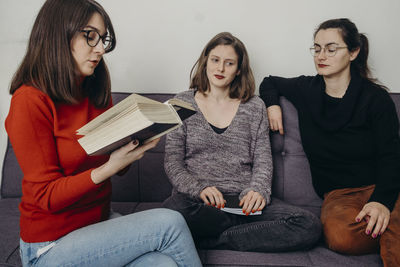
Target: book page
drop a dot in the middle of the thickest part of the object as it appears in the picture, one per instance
(136, 117)
(108, 115)
(114, 132)
(126, 106)
(183, 109)
(177, 103)
(159, 113)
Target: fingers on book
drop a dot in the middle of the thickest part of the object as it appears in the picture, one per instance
(134, 118)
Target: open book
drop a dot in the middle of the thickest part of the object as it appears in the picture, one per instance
(232, 206)
(135, 117)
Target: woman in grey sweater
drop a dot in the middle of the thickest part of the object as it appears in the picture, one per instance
(224, 150)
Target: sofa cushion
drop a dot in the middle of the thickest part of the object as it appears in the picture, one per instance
(292, 177)
(154, 184)
(319, 256)
(124, 208)
(126, 187)
(11, 182)
(9, 232)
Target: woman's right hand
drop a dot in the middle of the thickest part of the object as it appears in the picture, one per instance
(274, 113)
(212, 196)
(121, 158)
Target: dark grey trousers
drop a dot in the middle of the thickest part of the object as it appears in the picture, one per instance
(280, 227)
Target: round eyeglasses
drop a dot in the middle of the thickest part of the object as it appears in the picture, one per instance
(329, 50)
(93, 38)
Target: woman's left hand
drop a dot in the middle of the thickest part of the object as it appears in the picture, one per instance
(252, 202)
(377, 215)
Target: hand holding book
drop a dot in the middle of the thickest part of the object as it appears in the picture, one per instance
(121, 159)
(235, 206)
(213, 197)
(251, 204)
(134, 118)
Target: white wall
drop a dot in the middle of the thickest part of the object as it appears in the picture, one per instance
(158, 41)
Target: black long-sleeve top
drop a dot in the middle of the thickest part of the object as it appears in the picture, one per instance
(351, 141)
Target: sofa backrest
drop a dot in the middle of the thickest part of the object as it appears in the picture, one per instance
(292, 177)
(146, 179)
(11, 175)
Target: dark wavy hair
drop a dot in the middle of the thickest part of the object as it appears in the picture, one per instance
(353, 40)
(48, 64)
(243, 86)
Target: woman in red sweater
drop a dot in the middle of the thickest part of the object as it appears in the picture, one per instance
(63, 83)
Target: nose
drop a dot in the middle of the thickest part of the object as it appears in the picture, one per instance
(221, 66)
(99, 48)
(321, 54)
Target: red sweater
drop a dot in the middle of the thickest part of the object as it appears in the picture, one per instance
(59, 195)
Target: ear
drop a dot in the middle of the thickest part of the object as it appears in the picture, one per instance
(238, 73)
(354, 54)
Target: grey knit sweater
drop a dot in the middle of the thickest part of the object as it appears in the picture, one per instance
(236, 161)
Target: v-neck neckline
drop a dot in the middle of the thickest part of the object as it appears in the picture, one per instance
(205, 121)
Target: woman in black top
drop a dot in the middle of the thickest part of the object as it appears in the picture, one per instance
(350, 134)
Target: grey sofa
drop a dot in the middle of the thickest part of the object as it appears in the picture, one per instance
(145, 186)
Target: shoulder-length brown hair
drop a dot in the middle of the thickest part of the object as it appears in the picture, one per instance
(48, 64)
(243, 86)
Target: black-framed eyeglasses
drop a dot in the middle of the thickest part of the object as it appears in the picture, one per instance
(93, 38)
(330, 49)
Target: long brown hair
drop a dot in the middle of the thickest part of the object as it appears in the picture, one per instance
(243, 86)
(48, 64)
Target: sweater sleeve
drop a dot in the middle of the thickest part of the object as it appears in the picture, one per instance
(30, 127)
(262, 160)
(385, 127)
(272, 87)
(174, 163)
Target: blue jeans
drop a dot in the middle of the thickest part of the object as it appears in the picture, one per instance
(158, 237)
(280, 227)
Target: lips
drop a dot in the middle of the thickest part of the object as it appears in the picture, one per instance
(94, 62)
(322, 65)
(219, 77)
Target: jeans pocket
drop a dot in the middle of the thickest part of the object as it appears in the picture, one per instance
(44, 249)
(31, 252)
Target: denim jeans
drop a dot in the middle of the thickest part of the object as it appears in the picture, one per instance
(280, 227)
(157, 237)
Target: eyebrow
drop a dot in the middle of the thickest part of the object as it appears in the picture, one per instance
(97, 30)
(327, 43)
(231, 59)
